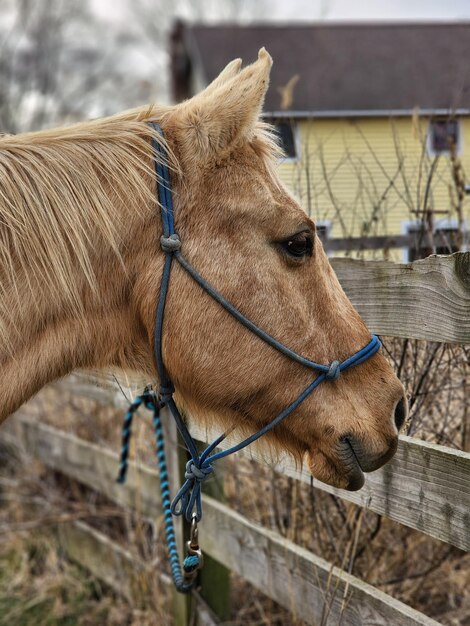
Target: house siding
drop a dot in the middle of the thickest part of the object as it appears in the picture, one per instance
(369, 175)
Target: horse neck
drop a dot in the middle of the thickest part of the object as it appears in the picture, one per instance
(50, 342)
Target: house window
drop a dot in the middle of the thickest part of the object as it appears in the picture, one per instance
(446, 239)
(287, 131)
(443, 136)
(323, 229)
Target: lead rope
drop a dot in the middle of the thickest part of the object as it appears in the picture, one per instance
(184, 578)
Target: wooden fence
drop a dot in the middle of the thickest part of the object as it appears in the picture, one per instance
(425, 486)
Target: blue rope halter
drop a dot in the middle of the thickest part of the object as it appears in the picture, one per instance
(188, 501)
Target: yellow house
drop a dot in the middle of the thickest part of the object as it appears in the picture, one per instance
(374, 120)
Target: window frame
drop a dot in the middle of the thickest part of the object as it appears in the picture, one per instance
(442, 224)
(431, 151)
(328, 226)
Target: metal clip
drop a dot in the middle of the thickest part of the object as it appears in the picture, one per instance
(193, 549)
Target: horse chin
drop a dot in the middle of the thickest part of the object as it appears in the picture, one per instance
(344, 472)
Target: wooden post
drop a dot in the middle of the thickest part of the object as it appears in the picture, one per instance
(214, 577)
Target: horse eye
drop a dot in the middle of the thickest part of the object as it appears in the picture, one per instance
(298, 246)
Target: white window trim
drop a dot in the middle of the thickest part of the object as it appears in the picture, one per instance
(328, 224)
(459, 147)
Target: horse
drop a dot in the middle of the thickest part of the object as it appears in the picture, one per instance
(80, 270)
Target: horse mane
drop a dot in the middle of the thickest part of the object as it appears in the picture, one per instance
(64, 191)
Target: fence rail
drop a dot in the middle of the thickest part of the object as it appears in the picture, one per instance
(425, 486)
(118, 568)
(305, 584)
(428, 299)
(415, 240)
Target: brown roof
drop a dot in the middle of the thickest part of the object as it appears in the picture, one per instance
(342, 68)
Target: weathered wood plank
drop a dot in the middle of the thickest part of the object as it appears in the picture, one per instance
(108, 561)
(305, 584)
(302, 582)
(425, 486)
(297, 579)
(118, 568)
(428, 299)
(92, 465)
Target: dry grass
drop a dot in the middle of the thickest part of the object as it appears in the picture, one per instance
(39, 586)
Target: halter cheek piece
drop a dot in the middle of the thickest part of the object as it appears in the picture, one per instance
(188, 501)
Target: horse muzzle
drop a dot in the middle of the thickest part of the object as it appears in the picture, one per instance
(356, 459)
(346, 463)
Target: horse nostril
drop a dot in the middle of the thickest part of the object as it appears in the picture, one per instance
(400, 413)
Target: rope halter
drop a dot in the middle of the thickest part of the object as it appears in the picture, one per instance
(188, 501)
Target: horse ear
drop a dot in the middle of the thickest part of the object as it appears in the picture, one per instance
(231, 70)
(225, 113)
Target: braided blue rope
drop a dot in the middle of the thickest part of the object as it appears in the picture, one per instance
(188, 501)
(126, 437)
(192, 562)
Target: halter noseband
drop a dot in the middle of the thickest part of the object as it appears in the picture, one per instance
(188, 501)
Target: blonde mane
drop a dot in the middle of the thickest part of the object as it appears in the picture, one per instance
(65, 191)
(61, 194)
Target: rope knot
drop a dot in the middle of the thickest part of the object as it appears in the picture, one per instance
(333, 371)
(165, 393)
(197, 474)
(148, 398)
(191, 563)
(170, 244)
(188, 500)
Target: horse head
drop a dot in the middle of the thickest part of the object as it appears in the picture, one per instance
(80, 269)
(248, 236)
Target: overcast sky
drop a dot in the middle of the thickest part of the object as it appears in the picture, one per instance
(373, 9)
(115, 10)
